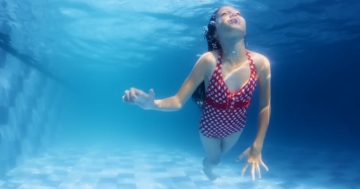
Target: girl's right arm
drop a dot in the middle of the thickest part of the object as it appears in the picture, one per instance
(199, 72)
(197, 75)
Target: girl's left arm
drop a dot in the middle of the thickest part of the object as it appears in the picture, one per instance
(264, 77)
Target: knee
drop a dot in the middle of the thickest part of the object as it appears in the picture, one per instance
(214, 160)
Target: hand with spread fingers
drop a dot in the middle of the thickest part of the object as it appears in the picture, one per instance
(253, 155)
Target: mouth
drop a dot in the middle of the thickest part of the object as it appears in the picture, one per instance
(234, 21)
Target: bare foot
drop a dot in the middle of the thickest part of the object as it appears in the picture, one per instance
(208, 171)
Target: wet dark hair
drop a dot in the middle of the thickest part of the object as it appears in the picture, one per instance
(213, 44)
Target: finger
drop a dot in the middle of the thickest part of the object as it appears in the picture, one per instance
(151, 94)
(132, 93)
(258, 170)
(127, 97)
(139, 92)
(253, 171)
(242, 155)
(244, 169)
(263, 164)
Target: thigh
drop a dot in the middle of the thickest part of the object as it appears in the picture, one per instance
(212, 146)
(228, 142)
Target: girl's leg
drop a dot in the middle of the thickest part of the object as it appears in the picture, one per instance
(228, 142)
(212, 148)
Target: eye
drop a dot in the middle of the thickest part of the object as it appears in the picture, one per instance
(223, 14)
(239, 14)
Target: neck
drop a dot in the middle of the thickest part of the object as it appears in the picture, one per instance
(233, 49)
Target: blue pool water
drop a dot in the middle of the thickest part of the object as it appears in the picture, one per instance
(64, 66)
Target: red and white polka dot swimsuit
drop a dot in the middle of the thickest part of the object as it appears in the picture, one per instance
(224, 111)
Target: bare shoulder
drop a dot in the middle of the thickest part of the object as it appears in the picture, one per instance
(208, 60)
(209, 57)
(261, 62)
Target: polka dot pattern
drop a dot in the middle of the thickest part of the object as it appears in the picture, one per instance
(225, 111)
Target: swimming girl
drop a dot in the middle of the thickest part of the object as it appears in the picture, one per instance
(222, 83)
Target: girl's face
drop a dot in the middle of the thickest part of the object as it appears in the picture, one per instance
(229, 21)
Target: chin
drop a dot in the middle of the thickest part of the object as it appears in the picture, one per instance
(236, 31)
